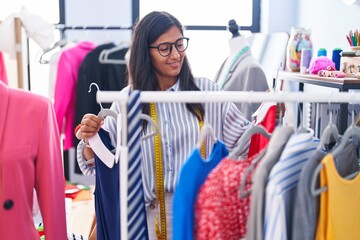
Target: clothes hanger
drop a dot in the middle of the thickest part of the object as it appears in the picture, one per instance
(351, 131)
(249, 132)
(61, 43)
(206, 130)
(302, 128)
(104, 112)
(329, 131)
(242, 192)
(315, 192)
(104, 56)
(246, 137)
(104, 154)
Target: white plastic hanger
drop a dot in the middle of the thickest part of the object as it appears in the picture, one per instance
(351, 131)
(104, 56)
(206, 130)
(250, 169)
(60, 43)
(329, 131)
(246, 137)
(104, 112)
(100, 149)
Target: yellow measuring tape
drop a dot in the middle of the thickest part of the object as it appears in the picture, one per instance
(160, 193)
(201, 124)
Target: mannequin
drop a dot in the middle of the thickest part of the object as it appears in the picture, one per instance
(30, 158)
(240, 70)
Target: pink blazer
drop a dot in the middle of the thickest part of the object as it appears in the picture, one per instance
(30, 158)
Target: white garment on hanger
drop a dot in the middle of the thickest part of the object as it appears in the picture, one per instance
(35, 26)
(104, 154)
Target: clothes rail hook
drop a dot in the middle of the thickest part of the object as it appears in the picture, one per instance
(98, 89)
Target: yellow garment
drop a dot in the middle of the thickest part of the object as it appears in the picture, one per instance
(339, 215)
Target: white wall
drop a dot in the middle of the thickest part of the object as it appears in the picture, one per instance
(278, 15)
(329, 21)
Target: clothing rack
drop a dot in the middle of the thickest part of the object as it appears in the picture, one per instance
(203, 97)
(19, 52)
(63, 27)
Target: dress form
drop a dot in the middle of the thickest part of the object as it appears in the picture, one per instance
(237, 43)
(240, 71)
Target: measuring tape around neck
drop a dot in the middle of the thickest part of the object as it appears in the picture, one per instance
(160, 195)
(160, 192)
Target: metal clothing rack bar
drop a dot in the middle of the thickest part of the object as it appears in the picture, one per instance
(231, 96)
(63, 27)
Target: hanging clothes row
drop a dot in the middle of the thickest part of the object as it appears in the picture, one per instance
(271, 178)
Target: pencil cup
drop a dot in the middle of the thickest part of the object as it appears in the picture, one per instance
(355, 48)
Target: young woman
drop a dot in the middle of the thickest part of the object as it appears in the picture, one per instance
(158, 62)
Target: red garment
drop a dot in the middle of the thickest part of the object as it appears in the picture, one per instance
(220, 213)
(258, 141)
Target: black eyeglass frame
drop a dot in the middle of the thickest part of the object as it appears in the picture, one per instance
(171, 46)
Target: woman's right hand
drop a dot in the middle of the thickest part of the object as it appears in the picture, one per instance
(90, 125)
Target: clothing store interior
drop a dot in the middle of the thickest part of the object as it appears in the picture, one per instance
(150, 119)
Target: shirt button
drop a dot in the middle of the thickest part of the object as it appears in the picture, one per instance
(8, 204)
(152, 205)
(165, 122)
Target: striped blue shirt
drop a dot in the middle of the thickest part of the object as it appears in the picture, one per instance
(282, 182)
(179, 135)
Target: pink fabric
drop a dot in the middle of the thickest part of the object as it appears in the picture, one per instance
(65, 88)
(320, 63)
(220, 213)
(3, 76)
(30, 158)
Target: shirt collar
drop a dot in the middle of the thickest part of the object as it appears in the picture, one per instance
(175, 87)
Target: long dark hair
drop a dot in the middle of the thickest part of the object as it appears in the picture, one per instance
(142, 75)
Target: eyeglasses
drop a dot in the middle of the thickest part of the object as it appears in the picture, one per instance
(165, 48)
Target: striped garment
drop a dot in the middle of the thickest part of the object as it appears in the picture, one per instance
(179, 135)
(282, 183)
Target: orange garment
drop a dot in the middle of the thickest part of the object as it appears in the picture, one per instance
(339, 215)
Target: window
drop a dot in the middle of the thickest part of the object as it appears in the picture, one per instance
(206, 20)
